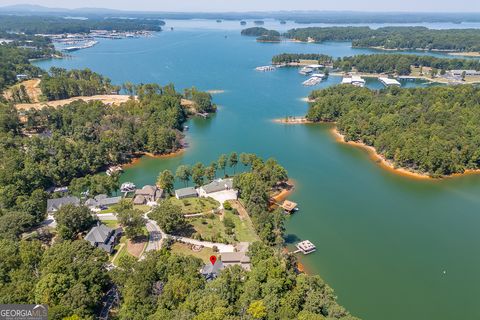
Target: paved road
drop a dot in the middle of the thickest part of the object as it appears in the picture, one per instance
(155, 235)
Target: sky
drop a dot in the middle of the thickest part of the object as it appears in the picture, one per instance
(263, 5)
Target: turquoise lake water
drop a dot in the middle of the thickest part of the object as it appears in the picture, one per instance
(391, 247)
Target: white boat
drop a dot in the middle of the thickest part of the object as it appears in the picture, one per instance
(128, 187)
(305, 71)
(114, 169)
(265, 68)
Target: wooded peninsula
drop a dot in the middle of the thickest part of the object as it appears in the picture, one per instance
(426, 130)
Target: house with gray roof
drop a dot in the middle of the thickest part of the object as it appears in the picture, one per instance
(211, 271)
(103, 237)
(183, 193)
(236, 258)
(216, 186)
(147, 194)
(54, 205)
(101, 202)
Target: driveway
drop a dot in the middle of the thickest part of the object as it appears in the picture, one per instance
(222, 196)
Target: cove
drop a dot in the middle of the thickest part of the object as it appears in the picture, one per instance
(383, 240)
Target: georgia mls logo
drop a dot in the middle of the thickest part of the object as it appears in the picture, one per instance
(23, 312)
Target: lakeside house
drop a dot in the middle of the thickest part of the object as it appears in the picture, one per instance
(236, 258)
(147, 195)
(215, 186)
(189, 192)
(211, 271)
(53, 205)
(103, 237)
(102, 202)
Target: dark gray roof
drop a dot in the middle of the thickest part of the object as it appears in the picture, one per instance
(98, 234)
(56, 204)
(235, 257)
(186, 192)
(218, 185)
(102, 200)
(210, 271)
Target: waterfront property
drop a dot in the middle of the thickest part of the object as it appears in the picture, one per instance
(103, 237)
(211, 271)
(189, 192)
(236, 258)
(215, 186)
(54, 205)
(147, 195)
(102, 202)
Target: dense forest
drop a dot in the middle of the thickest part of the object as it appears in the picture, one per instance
(80, 139)
(394, 37)
(62, 84)
(296, 57)
(15, 56)
(58, 25)
(401, 63)
(429, 130)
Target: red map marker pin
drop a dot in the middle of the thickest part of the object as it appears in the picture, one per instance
(213, 259)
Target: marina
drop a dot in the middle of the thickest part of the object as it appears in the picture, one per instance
(314, 80)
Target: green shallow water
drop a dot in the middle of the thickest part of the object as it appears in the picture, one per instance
(383, 241)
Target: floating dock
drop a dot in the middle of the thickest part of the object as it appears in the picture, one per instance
(289, 206)
(305, 247)
(354, 80)
(387, 82)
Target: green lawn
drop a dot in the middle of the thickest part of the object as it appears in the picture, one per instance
(143, 208)
(184, 249)
(195, 205)
(244, 230)
(111, 223)
(212, 228)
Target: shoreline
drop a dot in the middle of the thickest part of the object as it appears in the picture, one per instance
(137, 157)
(378, 158)
(389, 166)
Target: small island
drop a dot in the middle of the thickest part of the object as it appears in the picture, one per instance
(262, 34)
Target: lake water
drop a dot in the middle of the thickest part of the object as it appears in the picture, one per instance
(391, 247)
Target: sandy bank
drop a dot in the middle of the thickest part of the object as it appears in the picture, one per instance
(465, 54)
(137, 157)
(378, 158)
(113, 99)
(293, 120)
